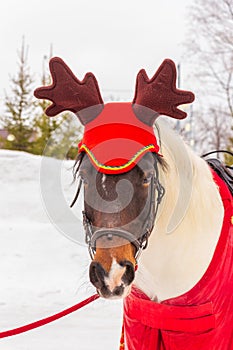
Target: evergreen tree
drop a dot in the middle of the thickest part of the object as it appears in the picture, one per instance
(44, 127)
(54, 134)
(19, 107)
(63, 142)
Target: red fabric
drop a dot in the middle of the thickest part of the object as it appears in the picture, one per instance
(117, 139)
(114, 138)
(200, 319)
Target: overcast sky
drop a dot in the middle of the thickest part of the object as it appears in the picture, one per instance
(113, 39)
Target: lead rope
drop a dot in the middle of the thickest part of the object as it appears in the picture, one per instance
(49, 319)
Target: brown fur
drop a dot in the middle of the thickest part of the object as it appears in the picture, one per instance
(122, 249)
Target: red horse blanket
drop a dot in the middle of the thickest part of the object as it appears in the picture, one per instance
(200, 319)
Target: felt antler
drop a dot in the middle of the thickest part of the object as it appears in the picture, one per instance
(68, 93)
(160, 93)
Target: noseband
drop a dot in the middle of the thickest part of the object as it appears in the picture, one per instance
(140, 243)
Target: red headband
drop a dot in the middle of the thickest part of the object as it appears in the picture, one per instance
(118, 134)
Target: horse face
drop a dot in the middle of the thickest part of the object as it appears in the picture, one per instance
(116, 202)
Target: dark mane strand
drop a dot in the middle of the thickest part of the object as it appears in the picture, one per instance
(77, 165)
(161, 161)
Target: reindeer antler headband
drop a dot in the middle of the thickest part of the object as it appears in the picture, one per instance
(117, 134)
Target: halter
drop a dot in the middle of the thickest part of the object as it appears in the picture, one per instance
(140, 243)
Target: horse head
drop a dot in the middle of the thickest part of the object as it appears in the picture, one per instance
(118, 165)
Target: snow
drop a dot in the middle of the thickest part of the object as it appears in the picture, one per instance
(41, 270)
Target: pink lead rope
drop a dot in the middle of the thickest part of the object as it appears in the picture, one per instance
(49, 319)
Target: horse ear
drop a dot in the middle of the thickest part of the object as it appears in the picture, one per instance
(159, 94)
(67, 93)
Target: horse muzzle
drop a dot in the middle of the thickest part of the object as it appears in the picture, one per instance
(115, 283)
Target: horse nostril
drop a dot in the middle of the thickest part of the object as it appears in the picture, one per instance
(118, 291)
(129, 274)
(97, 274)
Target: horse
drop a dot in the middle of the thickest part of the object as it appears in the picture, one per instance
(158, 220)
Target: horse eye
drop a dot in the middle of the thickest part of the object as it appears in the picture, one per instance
(147, 179)
(84, 179)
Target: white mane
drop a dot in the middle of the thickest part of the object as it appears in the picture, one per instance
(188, 226)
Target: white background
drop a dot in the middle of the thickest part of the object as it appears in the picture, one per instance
(113, 39)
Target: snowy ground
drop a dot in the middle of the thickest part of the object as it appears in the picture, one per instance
(43, 272)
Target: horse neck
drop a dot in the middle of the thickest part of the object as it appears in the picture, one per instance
(191, 195)
(186, 231)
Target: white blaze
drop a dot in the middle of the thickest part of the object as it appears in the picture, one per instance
(114, 278)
